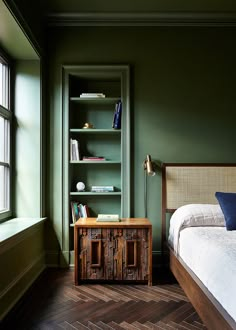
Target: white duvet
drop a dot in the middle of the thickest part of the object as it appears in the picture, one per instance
(193, 215)
(208, 249)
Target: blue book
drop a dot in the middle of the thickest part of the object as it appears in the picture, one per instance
(117, 116)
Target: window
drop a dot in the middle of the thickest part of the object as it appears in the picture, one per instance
(5, 126)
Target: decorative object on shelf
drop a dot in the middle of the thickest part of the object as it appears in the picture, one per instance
(88, 125)
(150, 170)
(80, 186)
(117, 116)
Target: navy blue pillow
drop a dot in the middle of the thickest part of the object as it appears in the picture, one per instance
(227, 203)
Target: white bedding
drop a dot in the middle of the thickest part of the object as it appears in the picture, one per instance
(209, 251)
(193, 215)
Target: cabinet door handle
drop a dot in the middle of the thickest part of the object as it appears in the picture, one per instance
(131, 253)
(95, 253)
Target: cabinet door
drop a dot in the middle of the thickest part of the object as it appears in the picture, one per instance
(95, 254)
(131, 254)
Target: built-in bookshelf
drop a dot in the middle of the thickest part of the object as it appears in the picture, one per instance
(88, 119)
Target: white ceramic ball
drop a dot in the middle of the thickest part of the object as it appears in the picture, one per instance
(80, 186)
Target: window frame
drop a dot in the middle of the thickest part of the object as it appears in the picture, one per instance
(6, 113)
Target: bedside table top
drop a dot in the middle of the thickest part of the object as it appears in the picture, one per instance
(125, 222)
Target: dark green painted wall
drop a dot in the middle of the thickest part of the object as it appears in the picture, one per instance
(27, 200)
(182, 99)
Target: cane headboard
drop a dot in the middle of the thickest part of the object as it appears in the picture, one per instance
(194, 183)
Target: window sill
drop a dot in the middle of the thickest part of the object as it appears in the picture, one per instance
(5, 215)
(15, 230)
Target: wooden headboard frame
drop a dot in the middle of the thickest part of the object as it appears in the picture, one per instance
(195, 183)
(192, 183)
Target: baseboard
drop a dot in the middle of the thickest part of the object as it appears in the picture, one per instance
(72, 258)
(17, 288)
(52, 259)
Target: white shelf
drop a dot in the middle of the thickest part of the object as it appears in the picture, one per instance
(95, 131)
(94, 99)
(91, 193)
(95, 162)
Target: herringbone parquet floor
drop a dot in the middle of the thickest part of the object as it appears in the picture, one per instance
(54, 302)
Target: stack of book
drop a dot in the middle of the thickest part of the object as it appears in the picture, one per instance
(95, 158)
(74, 150)
(102, 188)
(92, 95)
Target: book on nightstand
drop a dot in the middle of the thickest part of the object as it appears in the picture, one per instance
(108, 217)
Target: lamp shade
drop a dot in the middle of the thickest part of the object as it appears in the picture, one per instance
(148, 166)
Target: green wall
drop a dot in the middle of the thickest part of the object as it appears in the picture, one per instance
(27, 140)
(182, 101)
(22, 260)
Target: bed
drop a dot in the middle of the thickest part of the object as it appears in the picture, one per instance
(201, 252)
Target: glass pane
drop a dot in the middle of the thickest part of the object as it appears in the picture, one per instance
(4, 85)
(1, 81)
(4, 140)
(4, 188)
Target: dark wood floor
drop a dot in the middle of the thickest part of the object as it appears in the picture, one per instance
(53, 302)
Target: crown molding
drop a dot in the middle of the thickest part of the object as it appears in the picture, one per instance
(142, 19)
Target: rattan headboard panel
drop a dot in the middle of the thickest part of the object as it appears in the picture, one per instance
(193, 184)
(187, 185)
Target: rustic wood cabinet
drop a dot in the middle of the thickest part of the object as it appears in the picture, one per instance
(113, 251)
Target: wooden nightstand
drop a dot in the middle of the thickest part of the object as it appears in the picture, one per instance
(113, 251)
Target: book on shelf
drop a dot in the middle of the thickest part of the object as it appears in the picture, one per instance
(74, 150)
(116, 124)
(108, 218)
(79, 210)
(102, 188)
(92, 95)
(95, 158)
